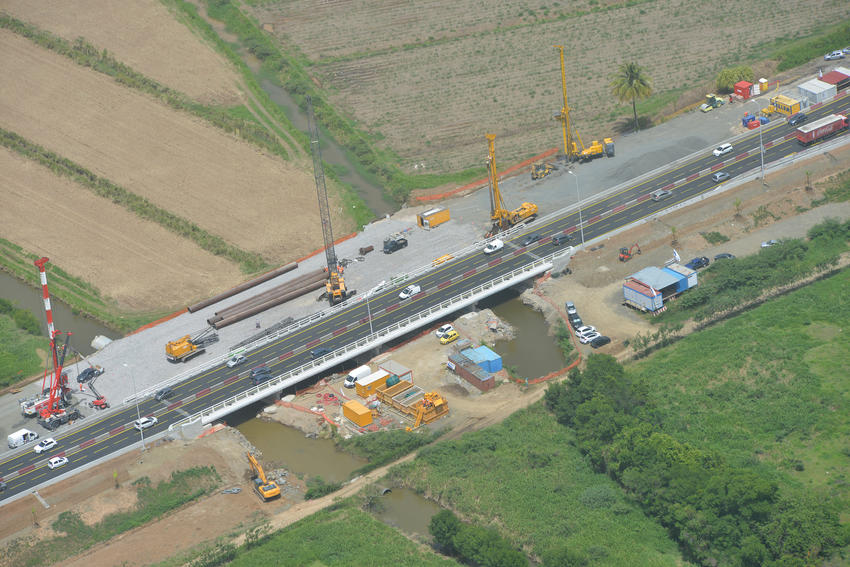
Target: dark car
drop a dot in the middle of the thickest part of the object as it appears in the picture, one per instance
(163, 394)
(320, 352)
(559, 239)
(530, 239)
(600, 341)
(88, 374)
(798, 118)
(697, 263)
(576, 322)
(723, 256)
(2, 486)
(258, 370)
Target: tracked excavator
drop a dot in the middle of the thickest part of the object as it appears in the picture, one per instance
(265, 488)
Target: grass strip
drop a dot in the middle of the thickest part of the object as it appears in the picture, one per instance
(87, 55)
(249, 262)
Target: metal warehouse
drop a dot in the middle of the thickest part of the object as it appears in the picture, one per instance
(816, 91)
(649, 288)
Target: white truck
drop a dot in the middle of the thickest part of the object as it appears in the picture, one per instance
(22, 437)
(357, 374)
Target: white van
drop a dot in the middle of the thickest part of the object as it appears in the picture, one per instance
(22, 437)
(357, 374)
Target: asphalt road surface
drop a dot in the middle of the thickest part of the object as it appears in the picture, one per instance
(98, 437)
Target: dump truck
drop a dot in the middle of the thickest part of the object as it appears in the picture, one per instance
(526, 211)
(782, 104)
(188, 346)
(265, 488)
(820, 129)
(394, 242)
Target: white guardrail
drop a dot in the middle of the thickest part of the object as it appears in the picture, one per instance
(360, 346)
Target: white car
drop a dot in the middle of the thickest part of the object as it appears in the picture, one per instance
(45, 444)
(838, 54)
(769, 243)
(237, 359)
(145, 422)
(493, 246)
(660, 194)
(444, 330)
(571, 308)
(57, 462)
(722, 149)
(409, 291)
(584, 339)
(584, 330)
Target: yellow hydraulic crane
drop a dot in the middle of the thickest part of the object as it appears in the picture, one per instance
(503, 218)
(571, 150)
(266, 489)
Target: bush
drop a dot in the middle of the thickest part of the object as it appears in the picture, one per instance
(727, 78)
(26, 321)
(318, 487)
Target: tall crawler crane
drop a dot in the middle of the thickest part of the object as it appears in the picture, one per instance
(503, 218)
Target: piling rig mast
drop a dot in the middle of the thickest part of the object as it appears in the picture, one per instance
(571, 149)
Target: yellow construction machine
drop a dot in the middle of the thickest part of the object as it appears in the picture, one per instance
(541, 170)
(503, 218)
(188, 346)
(265, 489)
(335, 287)
(433, 406)
(782, 104)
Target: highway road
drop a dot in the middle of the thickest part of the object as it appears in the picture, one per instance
(98, 436)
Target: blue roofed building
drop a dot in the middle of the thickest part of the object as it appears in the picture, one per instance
(484, 357)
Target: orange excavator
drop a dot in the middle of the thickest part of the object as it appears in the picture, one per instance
(627, 253)
(265, 488)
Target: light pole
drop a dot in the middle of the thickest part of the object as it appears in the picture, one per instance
(761, 147)
(368, 310)
(578, 196)
(135, 397)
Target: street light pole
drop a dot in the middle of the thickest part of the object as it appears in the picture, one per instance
(578, 196)
(135, 397)
(369, 294)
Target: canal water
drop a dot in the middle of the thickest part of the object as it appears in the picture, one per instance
(289, 448)
(533, 351)
(333, 153)
(407, 511)
(64, 319)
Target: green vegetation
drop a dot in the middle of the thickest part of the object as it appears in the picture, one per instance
(339, 536)
(87, 55)
(153, 502)
(563, 336)
(473, 545)
(318, 487)
(249, 262)
(291, 70)
(384, 447)
(797, 52)
(19, 355)
(79, 295)
(693, 491)
(837, 190)
(732, 283)
(630, 83)
(727, 78)
(525, 478)
(714, 237)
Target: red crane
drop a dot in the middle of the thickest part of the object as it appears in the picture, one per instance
(52, 411)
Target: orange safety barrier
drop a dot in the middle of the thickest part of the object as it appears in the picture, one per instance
(211, 430)
(481, 182)
(321, 414)
(158, 321)
(322, 249)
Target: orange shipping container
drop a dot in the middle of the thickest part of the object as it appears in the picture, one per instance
(433, 218)
(357, 413)
(369, 385)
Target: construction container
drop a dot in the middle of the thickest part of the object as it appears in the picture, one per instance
(815, 91)
(484, 357)
(432, 218)
(689, 275)
(395, 369)
(642, 296)
(357, 413)
(367, 386)
(471, 372)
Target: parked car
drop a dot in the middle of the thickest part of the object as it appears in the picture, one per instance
(163, 394)
(697, 263)
(846, 50)
(599, 341)
(2, 486)
(585, 330)
(571, 308)
(89, 373)
(769, 243)
(449, 337)
(57, 462)
(723, 256)
(235, 360)
(145, 422)
(719, 176)
(493, 246)
(558, 239)
(409, 291)
(660, 194)
(319, 352)
(530, 239)
(796, 119)
(575, 321)
(584, 339)
(837, 54)
(722, 149)
(45, 444)
(441, 332)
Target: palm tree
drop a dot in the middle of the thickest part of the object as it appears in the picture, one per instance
(631, 83)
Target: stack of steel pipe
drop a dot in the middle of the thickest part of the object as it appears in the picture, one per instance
(242, 287)
(268, 299)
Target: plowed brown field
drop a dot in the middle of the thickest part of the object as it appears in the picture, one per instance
(178, 162)
(142, 34)
(139, 264)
